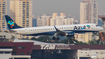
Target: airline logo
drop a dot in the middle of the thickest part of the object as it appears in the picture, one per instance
(11, 23)
(88, 26)
(81, 27)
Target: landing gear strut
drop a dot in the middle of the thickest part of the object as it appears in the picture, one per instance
(54, 38)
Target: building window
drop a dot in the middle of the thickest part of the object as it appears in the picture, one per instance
(3, 12)
(3, 2)
(21, 47)
(27, 25)
(4, 6)
(27, 4)
(7, 52)
(23, 25)
(23, 2)
(3, 27)
(28, 53)
(22, 53)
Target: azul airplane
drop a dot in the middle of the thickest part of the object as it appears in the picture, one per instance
(61, 30)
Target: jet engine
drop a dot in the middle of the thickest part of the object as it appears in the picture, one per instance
(69, 34)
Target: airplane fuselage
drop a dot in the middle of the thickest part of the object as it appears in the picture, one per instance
(50, 30)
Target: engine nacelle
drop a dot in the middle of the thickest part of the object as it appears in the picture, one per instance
(70, 34)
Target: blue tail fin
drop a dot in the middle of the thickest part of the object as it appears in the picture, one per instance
(10, 23)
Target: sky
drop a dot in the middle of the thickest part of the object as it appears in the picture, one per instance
(69, 7)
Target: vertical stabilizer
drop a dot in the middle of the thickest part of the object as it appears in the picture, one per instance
(10, 23)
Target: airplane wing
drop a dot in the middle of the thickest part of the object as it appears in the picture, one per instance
(62, 33)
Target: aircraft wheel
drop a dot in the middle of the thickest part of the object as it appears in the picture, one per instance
(58, 38)
(53, 38)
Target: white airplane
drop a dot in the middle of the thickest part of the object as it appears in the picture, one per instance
(61, 30)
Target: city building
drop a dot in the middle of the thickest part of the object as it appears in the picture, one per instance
(85, 37)
(102, 18)
(76, 22)
(34, 21)
(34, 50)
(3, 12)
(69, 21)
(43, 20)
(63, 14)
(46, 20)
(54, 15)
(102, 22)
(99, 22)
(89, 12)
(61, 20)
(6, 37)
(21, 13)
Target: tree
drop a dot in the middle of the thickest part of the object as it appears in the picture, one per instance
(81, 43)
(33, 38)
(94, 42)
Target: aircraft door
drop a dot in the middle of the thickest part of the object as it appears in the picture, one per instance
(26, 31)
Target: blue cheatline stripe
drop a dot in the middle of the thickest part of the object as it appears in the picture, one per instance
(53, 32)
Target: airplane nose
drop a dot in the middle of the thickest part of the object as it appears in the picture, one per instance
(101, 28)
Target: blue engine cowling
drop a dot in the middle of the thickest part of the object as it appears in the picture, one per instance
(70, 34)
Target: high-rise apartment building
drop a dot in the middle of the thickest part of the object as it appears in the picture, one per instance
(89, 12)
(3, 11)
(63, 14)
(43, 20)
(61, 20)
(21, 12)
(54, 15)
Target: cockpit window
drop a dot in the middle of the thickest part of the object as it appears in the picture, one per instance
(97, 25)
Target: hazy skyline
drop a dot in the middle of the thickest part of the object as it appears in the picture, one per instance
(71, 7)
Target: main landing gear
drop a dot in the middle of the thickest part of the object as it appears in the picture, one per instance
(55, 38)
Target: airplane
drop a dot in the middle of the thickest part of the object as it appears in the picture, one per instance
(61, 30)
